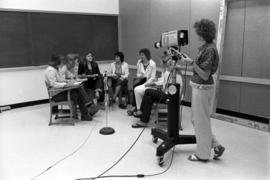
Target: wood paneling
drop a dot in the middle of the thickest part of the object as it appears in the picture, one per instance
(256, 53)
(233, 41)
(255, 100)
(229, 96)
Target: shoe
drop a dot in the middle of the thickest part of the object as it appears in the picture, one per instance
(137, 114)
(131, 111)
(219, 150)
(138, 125)
(86, 118)
(111, 101)
(101, 105)
(93, 110)
(122, 106)
(194, 157)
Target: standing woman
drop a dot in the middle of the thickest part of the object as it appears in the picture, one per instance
(146, 74)
(89, 68)
(202, 84)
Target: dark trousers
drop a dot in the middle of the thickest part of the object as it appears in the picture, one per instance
(150, 97)
(93, 84)
(77, 97)
(113, 83)
(135, 84)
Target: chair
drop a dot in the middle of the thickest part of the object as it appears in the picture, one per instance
(62, 113)
(159, 114)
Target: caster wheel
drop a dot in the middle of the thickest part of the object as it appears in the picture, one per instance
(160, 161)
(155, 139)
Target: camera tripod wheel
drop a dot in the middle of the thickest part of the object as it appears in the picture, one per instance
(155, 139)
(161, 161)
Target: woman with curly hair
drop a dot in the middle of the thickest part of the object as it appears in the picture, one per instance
(202, 83)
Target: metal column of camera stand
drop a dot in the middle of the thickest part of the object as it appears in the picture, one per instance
(171, 137)
(106, 130)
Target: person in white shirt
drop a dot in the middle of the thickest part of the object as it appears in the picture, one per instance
(146, 73)
(118, 81)
(54, 79)
(70, 68)
(154, 94)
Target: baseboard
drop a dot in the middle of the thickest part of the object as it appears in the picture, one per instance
(185, 103)
(236, 114)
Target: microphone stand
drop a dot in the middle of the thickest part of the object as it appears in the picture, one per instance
(106, 130)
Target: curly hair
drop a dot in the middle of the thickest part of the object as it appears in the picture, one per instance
(206, 29)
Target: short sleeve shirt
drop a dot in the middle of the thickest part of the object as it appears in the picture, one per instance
(207, 59)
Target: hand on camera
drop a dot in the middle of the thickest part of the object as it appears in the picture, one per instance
(187, 60)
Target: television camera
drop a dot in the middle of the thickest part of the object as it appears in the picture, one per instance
(173, 40)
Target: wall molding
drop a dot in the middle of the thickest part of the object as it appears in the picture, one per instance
(57, 12)
(259, 81)
(26, 68)
(250, 80)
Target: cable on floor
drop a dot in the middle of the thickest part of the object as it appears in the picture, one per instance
(67, 156)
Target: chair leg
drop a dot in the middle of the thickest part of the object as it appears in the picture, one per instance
(50, 123)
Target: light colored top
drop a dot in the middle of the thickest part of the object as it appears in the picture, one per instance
(124, 69)
(69, 74)
(164, 78)
(53, 78)
(149, 73)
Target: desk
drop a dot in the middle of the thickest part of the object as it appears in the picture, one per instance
(55, 91)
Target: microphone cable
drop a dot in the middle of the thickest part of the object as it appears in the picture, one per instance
(67, 156)
(134, 175)
(132, 145)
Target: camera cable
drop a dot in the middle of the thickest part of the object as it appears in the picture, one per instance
(67, 156)
(133, 175)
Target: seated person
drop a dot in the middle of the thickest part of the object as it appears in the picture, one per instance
(70, 67)
(146, 73)
(89, 69)
(118, 78)
(70, 72)
(54, 79)
(153, 95)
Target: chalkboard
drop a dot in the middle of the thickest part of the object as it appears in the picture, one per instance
(30, 38)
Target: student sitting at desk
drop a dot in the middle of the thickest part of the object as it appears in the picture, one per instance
(54, 79)
(89, 69)
(154, 94)
(70, 72)
(70, 67)
(119, 72)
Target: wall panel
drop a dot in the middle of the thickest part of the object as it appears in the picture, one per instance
(255, 99)
(233, 40)
(135, 20)
(257, 39)
(229, 96)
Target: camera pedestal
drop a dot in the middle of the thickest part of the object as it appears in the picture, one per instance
(171, 137)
